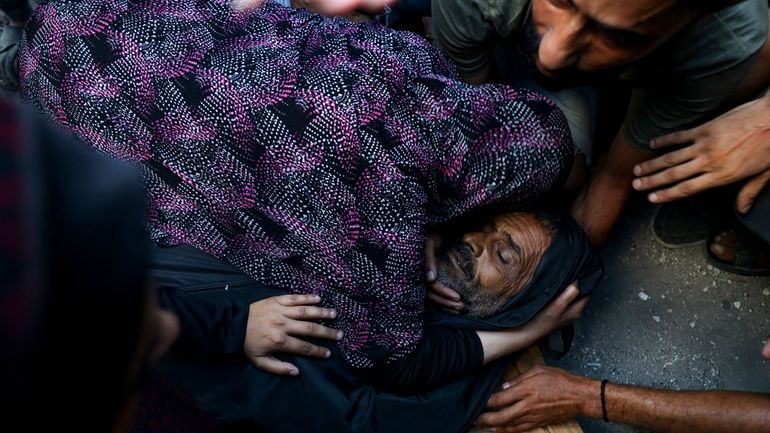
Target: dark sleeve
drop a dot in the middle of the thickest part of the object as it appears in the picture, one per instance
(441, 355)
(210, 326)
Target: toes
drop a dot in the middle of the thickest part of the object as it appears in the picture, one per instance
(723, 252)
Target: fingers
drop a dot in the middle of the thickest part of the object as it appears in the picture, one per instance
(511, 389)
(288, 344)
(441, 289)
(684, 189)
(500, 418)
(567, 297)
(576, 309)
(448, 304)
(507, 396)
(750, 190)
(431, 245)
(667, 160)
(304, 312)
(310, 329)
(679, 137)
(292, 300)
(766, 349)
(275, 366)
(668, 176)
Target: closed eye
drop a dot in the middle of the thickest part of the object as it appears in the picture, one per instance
(514, 246)
(502, 257)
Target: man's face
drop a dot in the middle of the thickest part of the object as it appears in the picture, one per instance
(489, 266)
(585, 36)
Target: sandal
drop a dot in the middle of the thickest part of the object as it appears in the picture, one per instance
(689, 221)
(9, 62)
(748, 248)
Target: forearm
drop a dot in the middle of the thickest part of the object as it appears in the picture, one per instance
(666, 411)
(603, 199)
(497, 344)
(442, 354)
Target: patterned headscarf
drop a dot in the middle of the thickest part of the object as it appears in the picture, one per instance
(309, 152)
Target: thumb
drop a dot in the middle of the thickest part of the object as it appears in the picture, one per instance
(431, 245)
(750, 190)
(274, 365)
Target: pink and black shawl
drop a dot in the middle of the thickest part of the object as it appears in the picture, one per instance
(312, 153)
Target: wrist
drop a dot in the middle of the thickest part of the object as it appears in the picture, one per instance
(589, 398)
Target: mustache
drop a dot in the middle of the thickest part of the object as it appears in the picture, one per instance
(464, 254)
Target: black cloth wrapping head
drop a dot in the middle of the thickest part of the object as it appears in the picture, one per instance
(79, 290)
(328, 396)
(569, 258)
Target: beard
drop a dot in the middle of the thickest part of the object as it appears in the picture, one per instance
(478, 303)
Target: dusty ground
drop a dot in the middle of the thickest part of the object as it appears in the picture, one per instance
(665, 318)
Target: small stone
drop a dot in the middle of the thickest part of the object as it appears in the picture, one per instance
(709, 267)
(668, 364)
(706, 289)
(692, 324)
(737, 304)
(766, 292)
(713, 284)
(656, 318)
(643, 296)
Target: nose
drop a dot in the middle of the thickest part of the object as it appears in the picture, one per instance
(561, 45)
(475, 240)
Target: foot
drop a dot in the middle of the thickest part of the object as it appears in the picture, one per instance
(723, 247)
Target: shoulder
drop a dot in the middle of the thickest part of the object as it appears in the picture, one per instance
(501, 16)
(714, 44)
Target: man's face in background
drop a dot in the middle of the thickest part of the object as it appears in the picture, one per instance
(572, 38)
(489, 266)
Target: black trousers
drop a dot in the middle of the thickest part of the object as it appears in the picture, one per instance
(758, 218)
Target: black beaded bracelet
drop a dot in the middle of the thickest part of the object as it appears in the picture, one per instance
(604, 402)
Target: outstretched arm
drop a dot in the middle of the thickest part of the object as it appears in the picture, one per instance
(559, 313)
(279, 324)
(445, 353)
(546, 395)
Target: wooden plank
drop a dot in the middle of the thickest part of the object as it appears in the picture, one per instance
(525, 361)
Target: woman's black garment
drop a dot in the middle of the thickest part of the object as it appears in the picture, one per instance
(328, 395)
(212, 300)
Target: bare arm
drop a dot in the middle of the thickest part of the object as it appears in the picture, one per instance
(563, 310)
(548, 395)
(601, 202)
